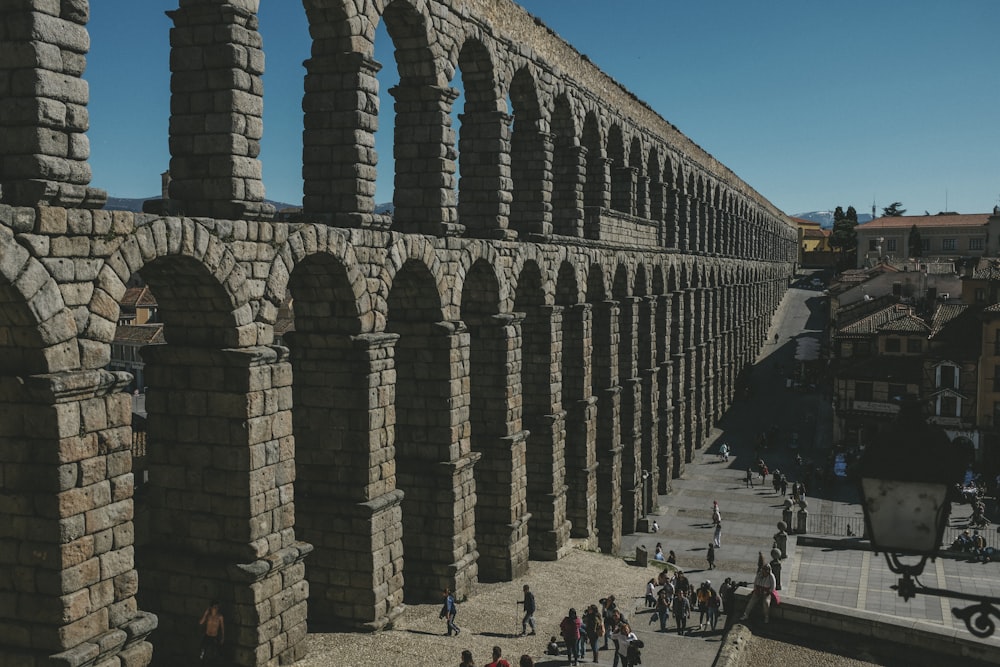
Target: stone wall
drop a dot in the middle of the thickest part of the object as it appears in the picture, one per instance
(467, 387)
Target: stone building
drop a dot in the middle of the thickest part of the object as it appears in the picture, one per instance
(947, 236)
(469, 384)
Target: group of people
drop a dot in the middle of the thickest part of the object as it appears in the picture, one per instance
(673, 594)
(606, 622)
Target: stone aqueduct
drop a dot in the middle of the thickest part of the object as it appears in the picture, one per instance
(470, 384)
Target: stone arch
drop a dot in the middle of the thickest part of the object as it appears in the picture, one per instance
(424, 192)
(568, 170)
(433, 470)
(195, 277)
(336, 254)
(195, 515)
(531, 158)
(636, 167)
(621, 185)
(416, 251)
(542, 414)
(341, 435)
(483, 193)
(38, 330)
(596, 188)
(501, 504)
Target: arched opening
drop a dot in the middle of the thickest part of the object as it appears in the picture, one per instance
(596, 186)
(336, 443)
(641, 198)
(530, 158)
(578, 401)
(500, 472)
(434, 537)
(567, 172)
(484, 133)
(543, 461)
(193, 495)
(622, 186)
(605, 388)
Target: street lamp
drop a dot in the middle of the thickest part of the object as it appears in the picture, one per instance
(905, 479)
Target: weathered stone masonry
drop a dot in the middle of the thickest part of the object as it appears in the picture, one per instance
(469, 385)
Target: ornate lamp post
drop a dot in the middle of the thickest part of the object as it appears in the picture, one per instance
(905, 479)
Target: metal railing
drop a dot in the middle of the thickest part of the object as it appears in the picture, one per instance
(854, 526)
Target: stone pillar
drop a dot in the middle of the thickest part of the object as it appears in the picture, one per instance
(338, 144)
(658, 211)
(484, 186)
(581, 423)
(642, 198)
(623, 189)
(679, 387)
(495, 424)
(604, 354)
(568, 176)
(545, 420)
(649, 403)
(220, 501)
(665, 382)
(531, 173)
(435, 460)
(672, 219)
(424, 194)
(691, 389)
(349, 506)
(66, 539)
(43, 53)
(630, 418)
(217, 107)
(704, 227)
(597, 197)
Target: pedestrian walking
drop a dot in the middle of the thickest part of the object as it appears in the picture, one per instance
(749, 478)
(528, 604)
(608, 608)
(716, 514)
(448, 612)
(662, 609)
(784, 485)
(717, 538)
(714, 604)
(710, 556)
(682, 608)
(763, 472)
(570, 630)
(593, 625)
(623, 639)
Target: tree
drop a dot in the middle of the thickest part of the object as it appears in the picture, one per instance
(844, 238)
(893, 210)
(915, 243)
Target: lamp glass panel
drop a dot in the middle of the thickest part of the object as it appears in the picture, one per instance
(904, 516)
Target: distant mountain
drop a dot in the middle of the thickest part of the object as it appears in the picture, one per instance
(135, 205)
(825, 218)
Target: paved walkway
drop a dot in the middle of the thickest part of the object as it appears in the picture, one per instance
(836, 572)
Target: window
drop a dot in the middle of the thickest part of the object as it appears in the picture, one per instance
(949, 407)
(925, 245)
(980, 295)
(890, 245)
(863, 391)
(976, 244)
(948, 244)
(946, 377)
(892, 345)
(914, 346)
(897, 391)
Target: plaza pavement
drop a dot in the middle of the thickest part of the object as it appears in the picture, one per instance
(834, 570)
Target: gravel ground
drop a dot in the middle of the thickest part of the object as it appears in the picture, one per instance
(490, 618)
(765, 652)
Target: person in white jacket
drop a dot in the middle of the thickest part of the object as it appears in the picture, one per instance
(763, 586)
(624, 636)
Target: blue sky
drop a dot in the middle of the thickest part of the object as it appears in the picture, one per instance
(814, 104)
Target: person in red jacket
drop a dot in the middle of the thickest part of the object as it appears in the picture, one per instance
(497, 660)
(570, 630)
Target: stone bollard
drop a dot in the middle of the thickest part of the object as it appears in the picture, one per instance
(803, 516)
(641, 556)
(786, 514)
(776, 568)
(781, 540)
